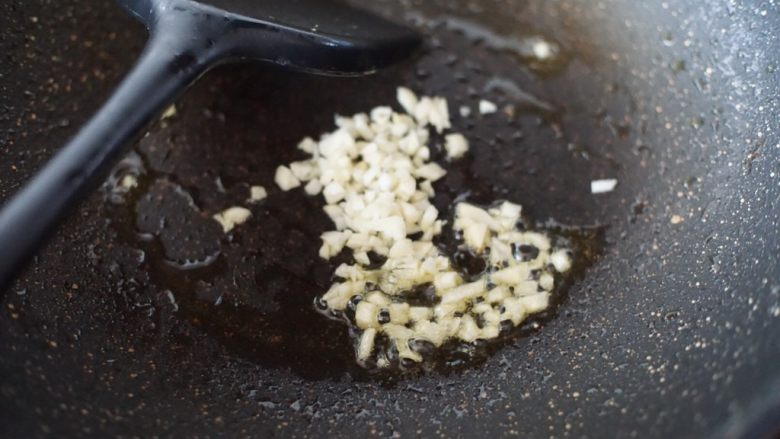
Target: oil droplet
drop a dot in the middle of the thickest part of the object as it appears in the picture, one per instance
(521, 97)
(540, 54)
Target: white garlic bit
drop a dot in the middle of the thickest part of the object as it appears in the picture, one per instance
(407, 99)
(561, 261)
(257, 194)
(169, 112)
(128, 182)
(456, 145)
(286, 179)
(487, 107)
(603, 186)
(232, 217)
(366, 344)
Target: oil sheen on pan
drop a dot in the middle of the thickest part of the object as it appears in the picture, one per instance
(387, 335)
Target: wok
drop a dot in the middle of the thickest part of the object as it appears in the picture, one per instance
(142, 318)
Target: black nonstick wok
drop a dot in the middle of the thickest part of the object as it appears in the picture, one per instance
(143, 319)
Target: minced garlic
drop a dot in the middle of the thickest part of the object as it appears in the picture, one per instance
(232, 217)
(257, 194)
(487, 107)
(456, 145)
(375, 174)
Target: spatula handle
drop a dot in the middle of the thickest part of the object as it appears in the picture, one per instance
(166, 67)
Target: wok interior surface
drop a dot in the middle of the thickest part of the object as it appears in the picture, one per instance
(143, 318)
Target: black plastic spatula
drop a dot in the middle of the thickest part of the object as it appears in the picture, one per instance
(187, 39)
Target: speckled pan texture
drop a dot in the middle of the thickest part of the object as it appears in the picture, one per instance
(142, 318)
